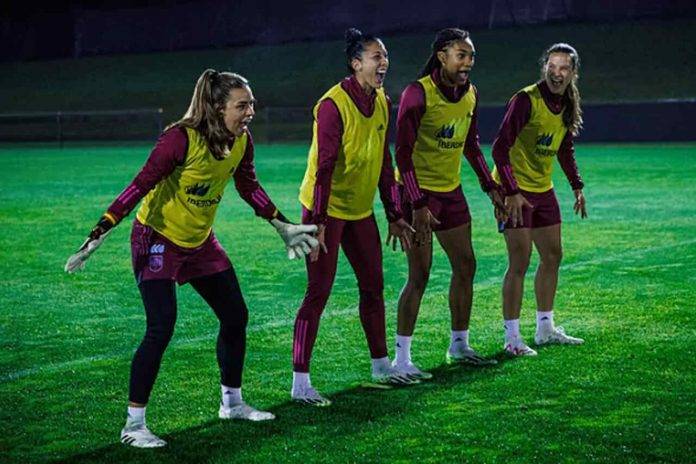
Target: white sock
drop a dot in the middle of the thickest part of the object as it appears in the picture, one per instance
(403, 349)
(301, 381)
(459, 338)
(231, 396)
(380, 365)
(545, 320)
(135, 416)
(512, 329)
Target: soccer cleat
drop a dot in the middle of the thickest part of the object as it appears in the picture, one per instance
(517, 347)
(555, 335)
(140, 436)
(389, 375)
(411, 370)
(466, 355)
(310, 396)
(245, 412)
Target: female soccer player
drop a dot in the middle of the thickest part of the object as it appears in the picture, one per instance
(437, 121)
(348, 159)
(539, 124)
(183, 182)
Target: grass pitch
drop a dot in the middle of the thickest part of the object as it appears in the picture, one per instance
(627, 286)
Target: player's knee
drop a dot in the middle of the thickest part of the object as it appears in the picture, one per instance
(552, 257)
(518, 267)
(372, 299)
(465, 270)
(159, 335)
(418, 280)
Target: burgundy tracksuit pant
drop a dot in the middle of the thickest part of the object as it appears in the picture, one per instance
(361, 244)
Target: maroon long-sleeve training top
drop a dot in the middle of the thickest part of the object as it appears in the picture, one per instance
(517, 115)
(170, 152)
(329, 135)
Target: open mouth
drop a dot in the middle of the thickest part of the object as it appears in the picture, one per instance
(244, 124)
(380, 75)
(556, 81)
(463, 75)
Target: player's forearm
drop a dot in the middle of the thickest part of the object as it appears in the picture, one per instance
(388, 189)
(566, 158)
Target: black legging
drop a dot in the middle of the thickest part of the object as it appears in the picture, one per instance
(221, 291)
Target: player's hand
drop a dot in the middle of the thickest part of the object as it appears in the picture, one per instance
(403, 231)
(579, 206)
(423, 220)
(321, 234)
(76, 262)
(499, 210)
(297, 237)
(514, 205)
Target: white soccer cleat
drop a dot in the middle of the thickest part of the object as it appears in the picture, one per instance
(467, 355)
(389, 375)
(244, 412)
(140, 436)
(411, 370)
(309, 396)
(517, 347)
(555, 335)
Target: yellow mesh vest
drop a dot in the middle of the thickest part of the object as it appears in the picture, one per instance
(532, 154)
(437, 153)
(355, 177)
(182, 207)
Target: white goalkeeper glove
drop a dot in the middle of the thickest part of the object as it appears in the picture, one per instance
(297, 238)
(76, 262)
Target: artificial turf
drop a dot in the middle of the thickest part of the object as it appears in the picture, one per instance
(627, 286)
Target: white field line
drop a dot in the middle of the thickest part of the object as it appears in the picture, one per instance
(487, 283)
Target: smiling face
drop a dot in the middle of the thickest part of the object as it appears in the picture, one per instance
(371, 68)
(456, 61)
(559, 72)
(239, 110)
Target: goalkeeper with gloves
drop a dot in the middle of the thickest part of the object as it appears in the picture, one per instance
(182, 184)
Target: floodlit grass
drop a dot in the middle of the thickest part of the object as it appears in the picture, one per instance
(627, 286)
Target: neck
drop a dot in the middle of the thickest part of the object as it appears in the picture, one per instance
(364, 85)
(444, 78)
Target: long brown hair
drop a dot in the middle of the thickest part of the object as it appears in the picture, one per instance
(443, 39)
(572, 114)
(204, 114)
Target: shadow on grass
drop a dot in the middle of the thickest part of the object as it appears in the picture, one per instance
(218, 440)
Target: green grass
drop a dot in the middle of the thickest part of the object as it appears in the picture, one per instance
(627, 286)
(620, 61)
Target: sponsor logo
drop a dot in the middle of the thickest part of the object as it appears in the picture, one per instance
(544, 152)
(157, 248)
(445, 132)
(156, 263)
(545, 140)
(204, 203)
(198, 190)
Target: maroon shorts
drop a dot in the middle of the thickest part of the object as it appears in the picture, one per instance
(450, 208)
(546, 211)
(156, 257)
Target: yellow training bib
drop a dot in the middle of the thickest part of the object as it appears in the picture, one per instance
(532, 154)
(182, 207)
(437, 153)
(356, 174)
